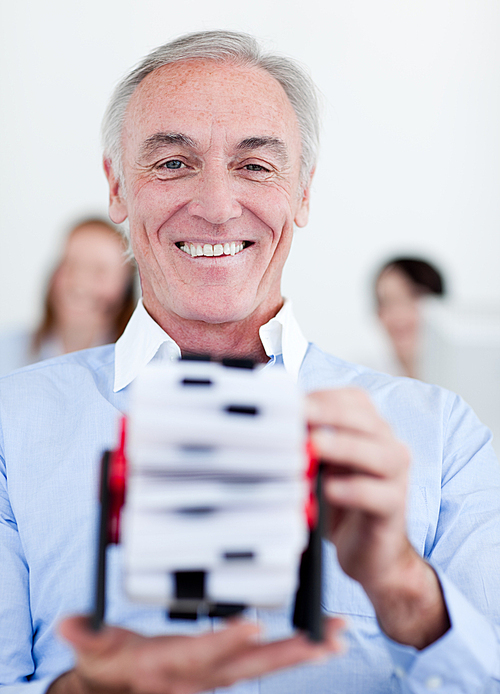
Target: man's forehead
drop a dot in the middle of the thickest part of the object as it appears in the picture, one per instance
(204, 88)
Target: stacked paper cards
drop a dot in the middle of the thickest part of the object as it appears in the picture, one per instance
(216, 489)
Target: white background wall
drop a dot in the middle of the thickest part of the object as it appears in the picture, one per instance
(411, 146)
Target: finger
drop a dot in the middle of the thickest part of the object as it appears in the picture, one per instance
(362, 493)
(237, 636)
(354, 452)
(192, 657)
(265, 658)
(346, 408)
(78, 632)
(221, 658)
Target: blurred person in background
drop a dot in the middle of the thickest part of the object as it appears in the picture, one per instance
(400, 285)
(89, 299)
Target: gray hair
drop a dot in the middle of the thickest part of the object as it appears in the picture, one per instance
(222, 47)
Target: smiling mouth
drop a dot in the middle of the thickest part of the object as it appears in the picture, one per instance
(209, 250)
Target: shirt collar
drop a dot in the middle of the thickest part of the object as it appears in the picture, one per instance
(282, 335)
(144, 340)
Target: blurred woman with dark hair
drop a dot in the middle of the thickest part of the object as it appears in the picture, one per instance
(89, 300)
(400, 285)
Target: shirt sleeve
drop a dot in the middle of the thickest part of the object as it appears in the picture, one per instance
(16, 633)
(34, 687)
(464, 660)
(466, 557)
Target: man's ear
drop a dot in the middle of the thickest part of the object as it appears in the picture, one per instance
(117, 207)
(302, 214)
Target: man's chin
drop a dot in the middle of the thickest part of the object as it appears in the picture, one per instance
(216, 315)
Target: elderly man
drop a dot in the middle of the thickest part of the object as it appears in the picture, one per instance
(209, 153)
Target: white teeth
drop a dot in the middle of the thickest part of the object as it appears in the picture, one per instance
(209, 250)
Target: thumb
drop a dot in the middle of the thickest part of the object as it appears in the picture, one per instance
(78, 631)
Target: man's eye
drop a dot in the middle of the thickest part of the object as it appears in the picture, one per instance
(255, 167)
(173, 164)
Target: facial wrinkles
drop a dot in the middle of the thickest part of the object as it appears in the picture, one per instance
(217, 158)
(221, 158)
(207, 80)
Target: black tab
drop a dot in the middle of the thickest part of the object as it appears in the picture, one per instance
(225, 610)
(189, 585)
(230, 556)
(194, 356)
(178, 614)
(239, 363)
(196, 510)
(197, 448)
(242, 409)
(197, 382)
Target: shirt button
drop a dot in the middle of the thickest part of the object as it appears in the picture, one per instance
(399, 672)
(434, 682)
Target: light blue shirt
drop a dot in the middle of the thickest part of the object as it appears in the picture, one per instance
(58, 416)
(16, 350)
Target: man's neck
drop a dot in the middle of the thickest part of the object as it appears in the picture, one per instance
(235, 339)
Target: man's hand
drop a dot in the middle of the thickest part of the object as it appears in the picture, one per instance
(117, 661)
(365, 486)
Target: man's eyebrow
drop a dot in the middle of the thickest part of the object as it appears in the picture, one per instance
(161, 139)
(272, 143)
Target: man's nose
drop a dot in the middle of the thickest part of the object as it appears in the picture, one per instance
(214, 198)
